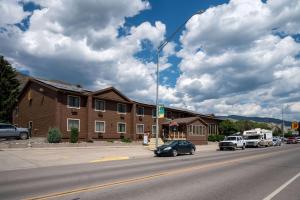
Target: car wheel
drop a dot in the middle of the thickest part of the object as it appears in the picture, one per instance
(174, 153)
(23, 136)
(221, 149)
(243, 147)
(234, 148)
(192, 151)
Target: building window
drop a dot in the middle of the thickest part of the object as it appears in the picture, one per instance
(99, 126)
(169, 115)
(73, 123)
(121, 108)
(154, 113)
(153, 129)
(140, 129)
(99, 105)
(73, 101)
(140, 111)
(196, 130)
(121, 127)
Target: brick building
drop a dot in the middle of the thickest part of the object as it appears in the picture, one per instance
(104, 114)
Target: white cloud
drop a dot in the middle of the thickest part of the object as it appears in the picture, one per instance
(11, 12)
(251, 69)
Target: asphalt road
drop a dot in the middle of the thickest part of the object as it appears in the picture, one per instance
(266, 173)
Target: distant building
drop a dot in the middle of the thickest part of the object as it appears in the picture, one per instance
(103, 114)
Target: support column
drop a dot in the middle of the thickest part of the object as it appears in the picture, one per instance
(133, 115)
(90, 117)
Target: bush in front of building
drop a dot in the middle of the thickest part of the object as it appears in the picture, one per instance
(54, 135)
(74, 135)
(215, 138)
(126, 140)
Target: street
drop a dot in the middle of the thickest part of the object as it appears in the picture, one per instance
(263, 173)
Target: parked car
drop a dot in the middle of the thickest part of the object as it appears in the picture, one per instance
(298, 139)
(8, 130)
(232, 142)
(175, 147)
(276, 141)
(292, 140)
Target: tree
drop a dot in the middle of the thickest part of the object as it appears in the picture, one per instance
(9, 90)
(227, 127)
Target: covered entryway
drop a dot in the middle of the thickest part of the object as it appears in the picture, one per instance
(193, 129)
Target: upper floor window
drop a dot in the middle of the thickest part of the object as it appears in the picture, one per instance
(73, 101)
(121, 108)
(140, 111)
(153, 113)
(99, 105)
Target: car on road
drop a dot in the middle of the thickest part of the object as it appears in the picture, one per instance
(8, 130)
(298, 139)
(232, 142)
(276, 141)
(292, 140)
(175, 147)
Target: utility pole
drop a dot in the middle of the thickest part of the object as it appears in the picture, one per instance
(282, 125)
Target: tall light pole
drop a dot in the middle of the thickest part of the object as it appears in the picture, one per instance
(282, 128)
(159, 49)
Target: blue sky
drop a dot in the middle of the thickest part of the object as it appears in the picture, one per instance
(238, 57)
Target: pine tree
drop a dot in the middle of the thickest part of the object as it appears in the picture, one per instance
(9, 90)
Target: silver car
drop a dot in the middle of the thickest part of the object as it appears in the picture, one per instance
(276, 141)
(8, 130)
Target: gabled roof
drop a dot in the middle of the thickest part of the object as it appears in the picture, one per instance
(63, 86)
(186, 120)
(114, 90)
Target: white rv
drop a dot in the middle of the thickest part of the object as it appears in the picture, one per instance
(258, 137)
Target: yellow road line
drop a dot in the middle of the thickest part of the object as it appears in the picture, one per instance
(111, 158)
(157, 175)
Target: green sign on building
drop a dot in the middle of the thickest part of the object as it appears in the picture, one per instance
(161, 111)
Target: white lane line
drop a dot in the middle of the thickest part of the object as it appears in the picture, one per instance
(273, 194)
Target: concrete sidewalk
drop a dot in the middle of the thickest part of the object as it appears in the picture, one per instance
(24, 158)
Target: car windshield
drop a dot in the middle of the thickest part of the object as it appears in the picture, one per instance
(231, 138)
(253, 137)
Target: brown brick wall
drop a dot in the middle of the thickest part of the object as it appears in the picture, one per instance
(40, 109)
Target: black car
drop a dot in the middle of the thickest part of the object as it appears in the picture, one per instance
(175, 147)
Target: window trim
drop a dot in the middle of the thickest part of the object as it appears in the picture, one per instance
(104, 105)
(96, 124)
(143, 112)
(68, 103)
(152, 129)
(118, 127)
(201, 130)
(137, 129)
(125, 108)
(68, 124)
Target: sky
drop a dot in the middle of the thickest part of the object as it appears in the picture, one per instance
(239, 57)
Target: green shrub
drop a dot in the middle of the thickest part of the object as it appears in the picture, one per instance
(54, 135)
(126, 140)
(74, 135)
(215, 138)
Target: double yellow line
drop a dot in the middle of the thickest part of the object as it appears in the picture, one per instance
(153, 176)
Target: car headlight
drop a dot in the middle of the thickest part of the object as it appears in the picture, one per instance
(167, 148)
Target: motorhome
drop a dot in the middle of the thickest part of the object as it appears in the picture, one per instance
(258, 137)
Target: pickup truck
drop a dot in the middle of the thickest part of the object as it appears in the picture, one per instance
(8, 130)
(232, 142)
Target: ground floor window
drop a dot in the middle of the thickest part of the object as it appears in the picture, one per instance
(99, 126)
(121, 127)
(140, 128)
(73, 123)
(196, 130)
(212, 129)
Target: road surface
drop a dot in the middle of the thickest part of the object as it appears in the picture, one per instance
(263, 174)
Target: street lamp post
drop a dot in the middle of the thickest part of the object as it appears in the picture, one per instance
(159, 49)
